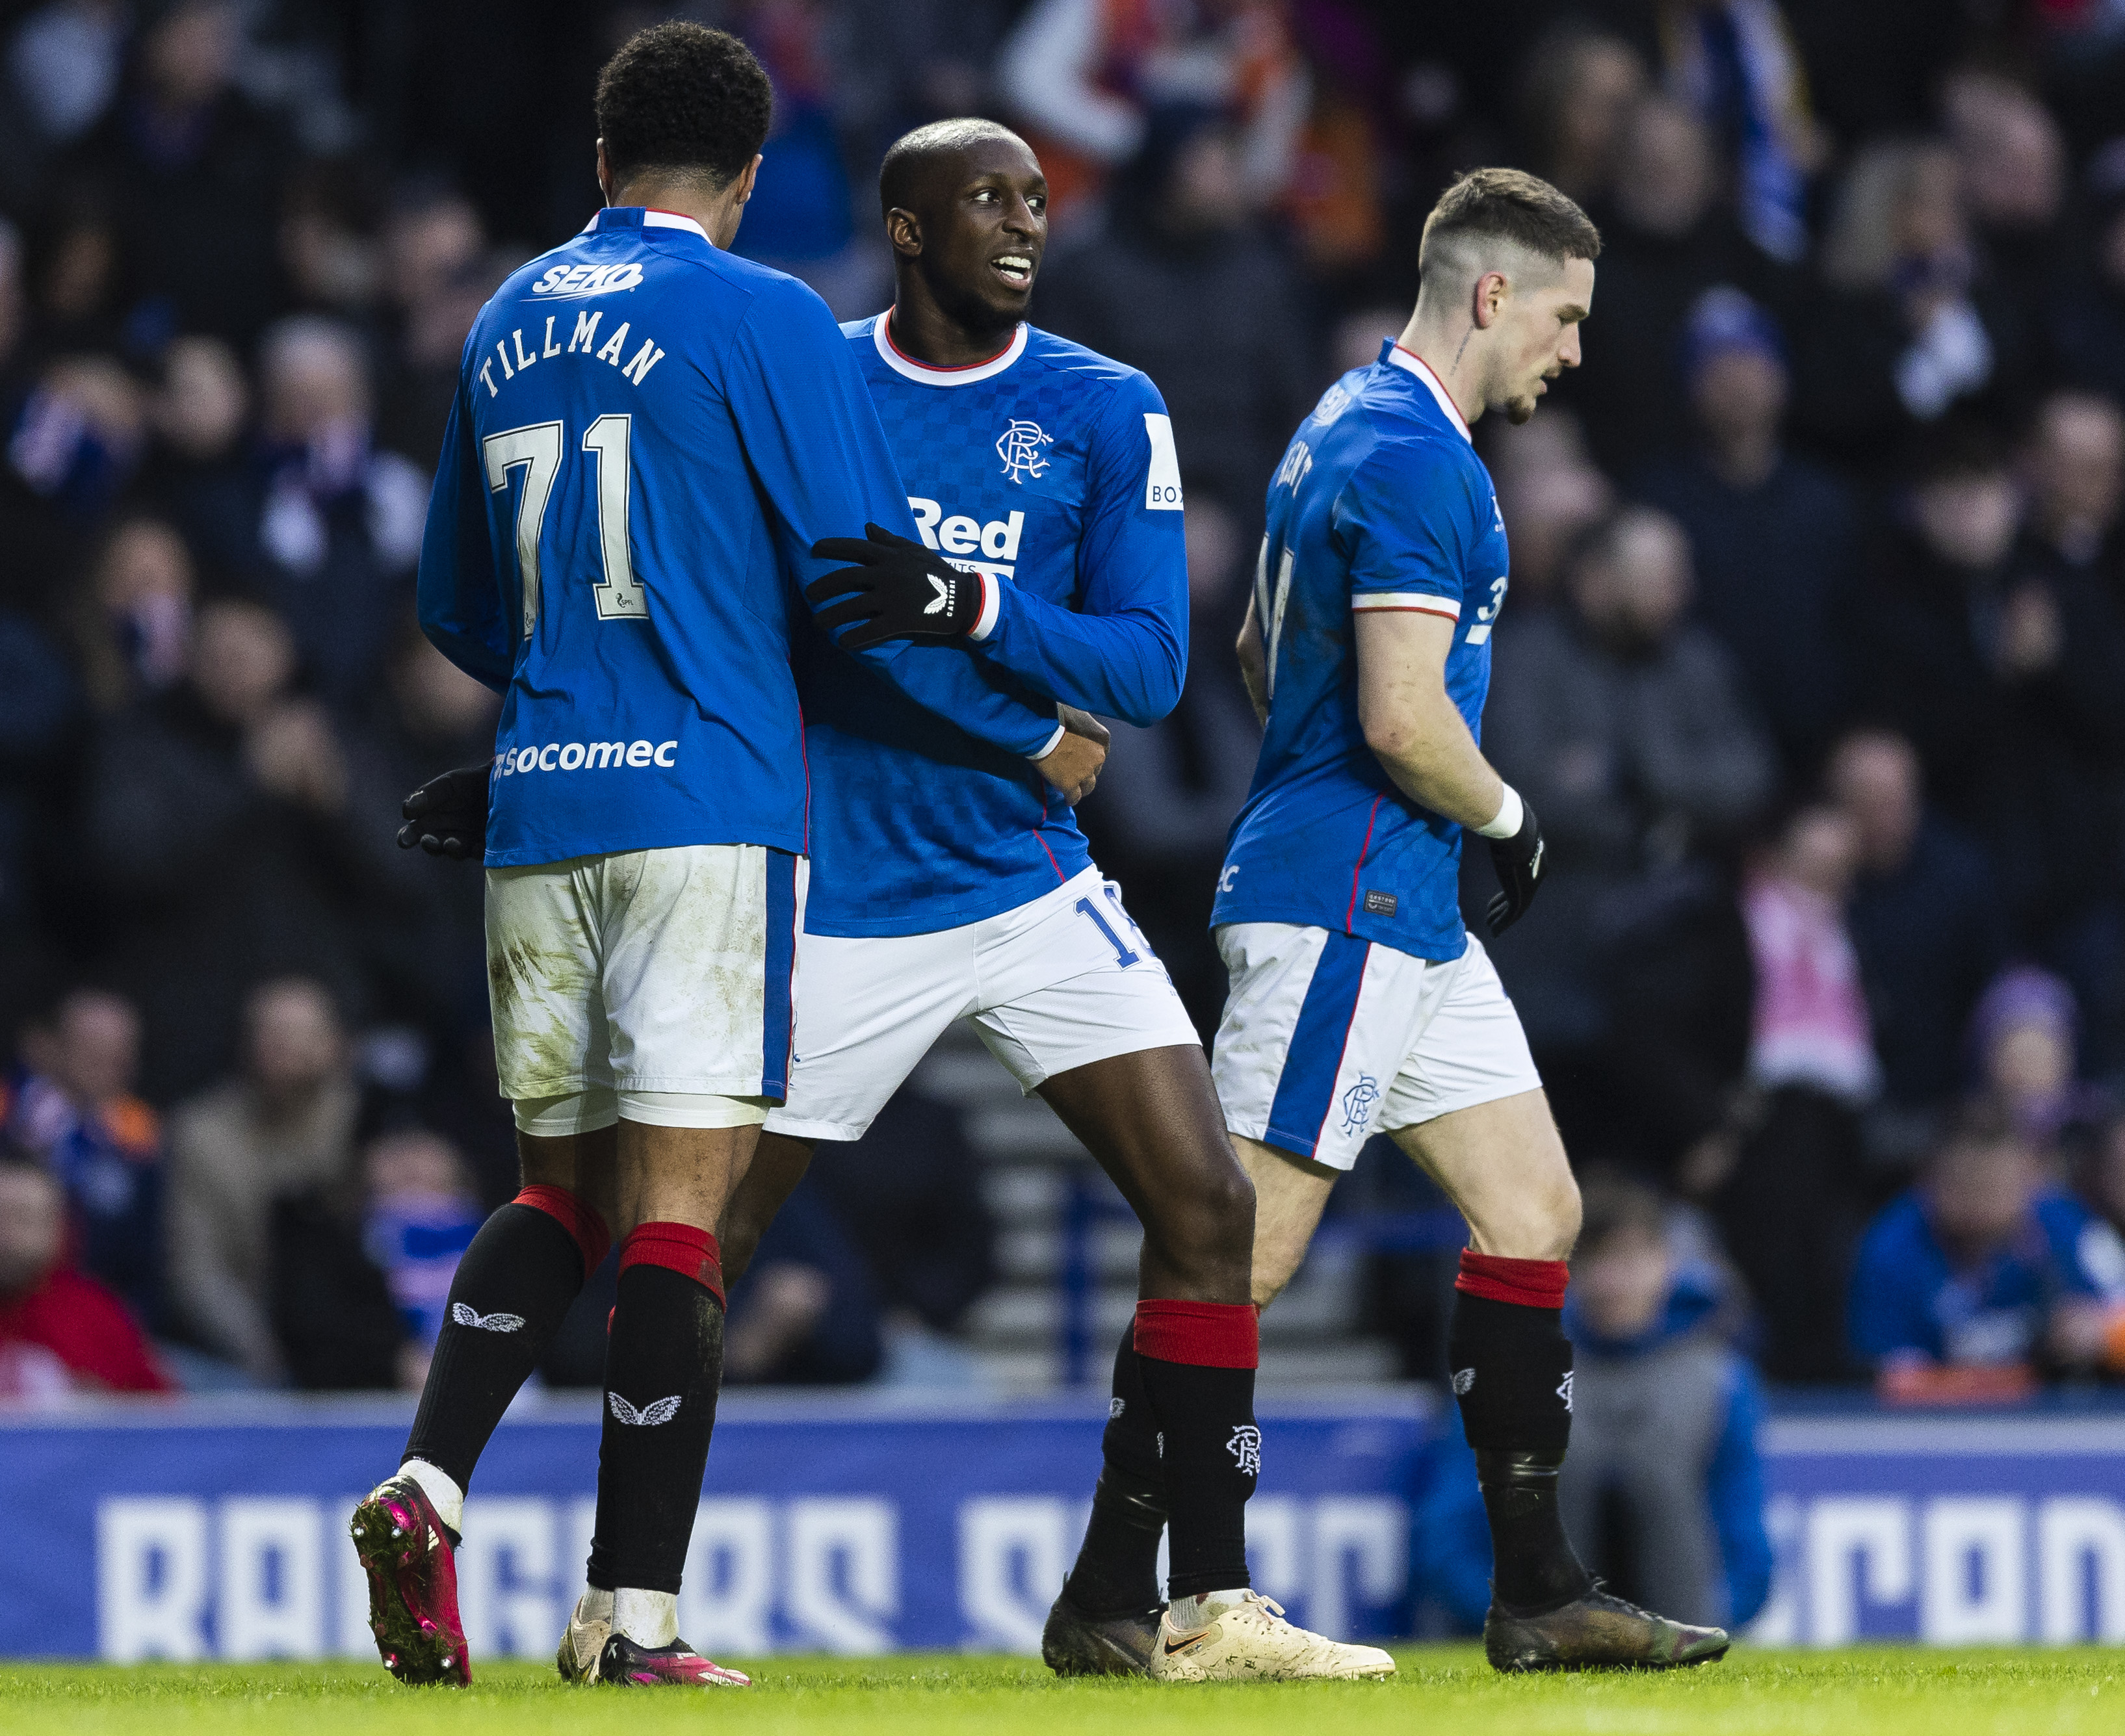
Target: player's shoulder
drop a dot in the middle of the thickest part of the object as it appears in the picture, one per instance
(1387, 428)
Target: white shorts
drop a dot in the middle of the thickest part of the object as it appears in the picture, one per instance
(1060, 982)
(638, 981)
(1328, 1039)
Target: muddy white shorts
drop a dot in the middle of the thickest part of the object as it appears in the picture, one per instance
(1059, 982)
(641, 983)
(1328, 1039)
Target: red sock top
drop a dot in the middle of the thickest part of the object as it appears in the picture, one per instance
(1526, 1283)
(577, 1217)
(1208, 1334)
(679, 1248)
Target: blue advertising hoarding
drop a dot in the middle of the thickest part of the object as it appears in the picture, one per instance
(869, 1523)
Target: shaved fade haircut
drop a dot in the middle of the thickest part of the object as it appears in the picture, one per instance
(910, 156)
(1486, 211)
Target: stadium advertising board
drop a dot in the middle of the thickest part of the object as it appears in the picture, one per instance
(860, 1525)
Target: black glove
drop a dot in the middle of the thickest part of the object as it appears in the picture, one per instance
(447, 816)
(1519, 862)
(901, 590)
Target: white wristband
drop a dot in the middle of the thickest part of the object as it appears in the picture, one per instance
(1511, 812)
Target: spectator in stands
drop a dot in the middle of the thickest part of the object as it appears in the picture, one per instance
(1913, 326)
(1663, 1494)
(1086, 79)
(2075, 472)
(1736, 62)
(1791, 1210)
(60, 1332)
(422, 935)
(438, 273)
(1926, 921)
(191, 169)
(340, 521)
(72, 1107)
(1626, 727)
(1668, 239)
(1986, 1275)
(1775, 537)
(1577, 92)
(2002, 671)
(360, 1275)
(2022, 1038)
(196, 475)
(805, 1313)
(132, 628)
(2012, 159)
(1236, 374)
(215, 830)
(287, 1123)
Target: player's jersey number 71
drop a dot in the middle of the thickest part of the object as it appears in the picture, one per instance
(538, 449)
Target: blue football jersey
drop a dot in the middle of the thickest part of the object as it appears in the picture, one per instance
(649, 435)
(1051, 471)
(1380, 503)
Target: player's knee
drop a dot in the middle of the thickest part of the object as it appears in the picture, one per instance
(1537, 1221)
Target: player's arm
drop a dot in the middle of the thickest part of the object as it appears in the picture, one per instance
(463, 607)
(1408, 541)
(1254, 663)
(813, 437)
(1124, 651)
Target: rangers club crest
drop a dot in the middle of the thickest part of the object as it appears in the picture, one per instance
(1246, 1446)
(1357, 1102)
(1019, 446)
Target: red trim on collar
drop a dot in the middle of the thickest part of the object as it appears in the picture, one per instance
(885, 327)
(1436, 381)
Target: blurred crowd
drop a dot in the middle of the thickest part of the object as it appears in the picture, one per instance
(1814, 665)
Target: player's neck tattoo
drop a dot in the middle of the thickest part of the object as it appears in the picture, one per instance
(1463, 350)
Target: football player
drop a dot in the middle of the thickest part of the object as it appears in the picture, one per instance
(649, 434)
(1360, 1004)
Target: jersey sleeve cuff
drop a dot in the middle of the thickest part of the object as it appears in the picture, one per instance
(1405, 602)
(991, 612)
(1054, 742)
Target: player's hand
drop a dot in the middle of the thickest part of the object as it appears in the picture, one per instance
(1073, 766)
(894, 589)
(447, 816)
(1518, 861)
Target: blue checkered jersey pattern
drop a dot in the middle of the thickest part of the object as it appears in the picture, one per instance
(1051, 470)
(1380, 503)
(649, 435)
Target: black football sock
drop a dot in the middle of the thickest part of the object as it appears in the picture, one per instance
(1117, 1570)
(510, 1292)
(1197, 1364)
(1511, 1365)
(663, 1364)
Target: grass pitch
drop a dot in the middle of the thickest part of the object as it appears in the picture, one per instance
(1883, 1692)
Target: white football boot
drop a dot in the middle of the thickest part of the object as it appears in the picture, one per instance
(590, 1625)
(1243, 1637)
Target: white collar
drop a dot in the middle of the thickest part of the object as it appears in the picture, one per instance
(650, 219)
(1411, 362)
(908, 367)
(672, 220)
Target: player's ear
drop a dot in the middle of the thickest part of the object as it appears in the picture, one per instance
(747, 177)
(604, 173)
(904, 231)
(1492, 291)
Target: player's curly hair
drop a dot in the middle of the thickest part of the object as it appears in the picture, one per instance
(684, 99)
(1509, 205)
